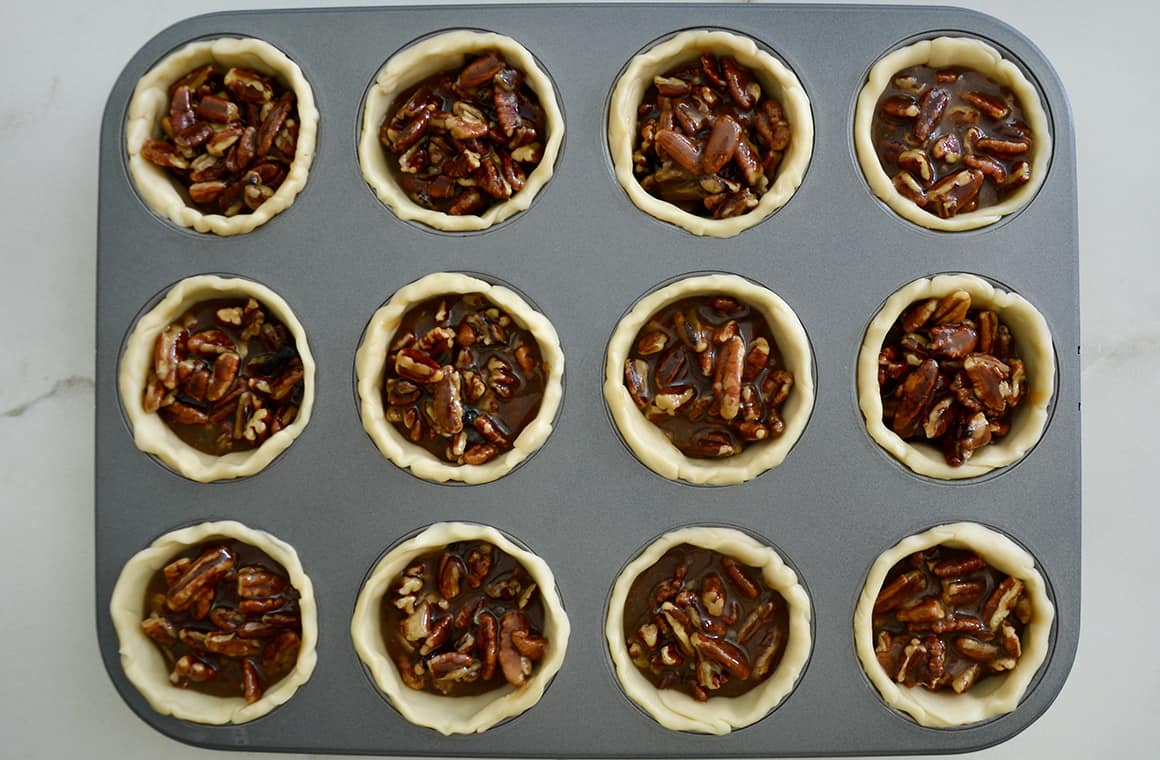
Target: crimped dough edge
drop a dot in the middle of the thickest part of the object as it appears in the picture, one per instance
(456, 715)
(150, 102)
(992, 697)
(776, 79)
(151, 434)
(412, 65)
(676, 710)
(371, 357)
(145, 666)
(649, 443)
(1033, 344)
(951, 51)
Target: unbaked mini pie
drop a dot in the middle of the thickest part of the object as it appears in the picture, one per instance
(953, 624)
(709, 379)
(217, 623)
(217, 379)
(709, 132)
(458, 379)
(460, 627)
(460, 130)
(708, 629)
(950, 134)
(955, 376)
(220, 134)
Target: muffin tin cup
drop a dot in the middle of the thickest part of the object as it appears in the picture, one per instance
(585, 253)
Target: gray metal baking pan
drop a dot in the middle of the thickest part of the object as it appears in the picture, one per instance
(584, 253)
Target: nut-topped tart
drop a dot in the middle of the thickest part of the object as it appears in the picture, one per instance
(953, 624)
(460, 627)
(950, 134)
(708, 629)
(217, 623)
(460, 130)
(709, 379)
(217, 379)
(458, 379)
(955, 376)
(709, 132)
(221, 135)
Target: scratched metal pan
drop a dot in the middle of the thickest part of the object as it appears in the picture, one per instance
(583, 253)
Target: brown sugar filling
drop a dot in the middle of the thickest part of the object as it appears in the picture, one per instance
(463, 621)
(707, 371)
(703, 623)
(226, 619)
(951, 139)
(709, 140)
(467, 139)
(946, 619)
(229, 138)
(462, 379)
(949, 374)
(225, 376)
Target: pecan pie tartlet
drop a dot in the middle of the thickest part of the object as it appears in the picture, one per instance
(221, 134)
(709, 379)
(709, 132)
(955, 376)
(217, 379)
(953, 624)
(458, 379)
(708, 629)
(460, 130)
(460, 628)
(950, 134)
(217, 623)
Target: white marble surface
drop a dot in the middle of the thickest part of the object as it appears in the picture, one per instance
(61, 58)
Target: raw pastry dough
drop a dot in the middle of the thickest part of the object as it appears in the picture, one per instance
(160, 191)
(1032, 344)
(676, 710)
(776, 80)
(649, 443)
(993, 696)
(937, 53)
(408, 67)
(372, 356)
(150, 432)
(456, 715)
(145, 665)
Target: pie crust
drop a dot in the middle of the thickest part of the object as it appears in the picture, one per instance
(1032, 343)
(937, 53)
(151, 434)
(775, 78)
(649, 443)
(150, 101)
(463, 714)
(413, 64)
(372, 356)
(993, 696)
(676, 710)
(145, 665)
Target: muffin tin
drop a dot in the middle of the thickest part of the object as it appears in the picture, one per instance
(583, 253)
